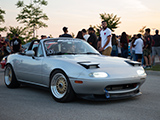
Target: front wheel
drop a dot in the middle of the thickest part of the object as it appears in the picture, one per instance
(60, 87)
(10, 78)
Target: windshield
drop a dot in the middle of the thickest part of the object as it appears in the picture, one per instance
(70, 46)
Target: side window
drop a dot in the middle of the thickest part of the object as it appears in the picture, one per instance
(35, 45)
(40, 51)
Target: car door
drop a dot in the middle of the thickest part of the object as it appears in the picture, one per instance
(30, 68)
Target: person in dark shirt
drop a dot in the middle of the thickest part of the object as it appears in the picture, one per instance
(79, 35)
(65, 30)
(147, 48)
(3, 45)
(114, 45)
(16, 44)
(156, 46)
(92, 40)
(124, 44)
(43, 36)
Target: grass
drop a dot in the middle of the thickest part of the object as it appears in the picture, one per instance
(156, 67)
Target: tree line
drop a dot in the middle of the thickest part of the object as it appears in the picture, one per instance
(31, 16)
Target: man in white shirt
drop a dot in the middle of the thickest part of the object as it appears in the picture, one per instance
(138, 44)
(106, 45)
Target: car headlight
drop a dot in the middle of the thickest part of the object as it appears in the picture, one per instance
(141, 72)
(98, 74)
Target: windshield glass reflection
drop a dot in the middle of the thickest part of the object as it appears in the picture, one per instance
(71, 46)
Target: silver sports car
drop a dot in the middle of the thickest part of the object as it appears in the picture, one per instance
(71, 67)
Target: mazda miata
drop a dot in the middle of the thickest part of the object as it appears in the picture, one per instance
(72, 67)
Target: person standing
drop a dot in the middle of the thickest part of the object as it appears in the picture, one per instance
(114, 46)
(2, 47)
(8, 48)
(92, 40)
(79, 35)
(43, 36)
(124, 45)
(65, 30)
(156, 46)
(16, 44)
(119, 46)
(106, 44)
(138, 44)
(85, 35)
(132, 48)
(147, 49)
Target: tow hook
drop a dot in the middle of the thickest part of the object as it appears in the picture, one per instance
(106, 93)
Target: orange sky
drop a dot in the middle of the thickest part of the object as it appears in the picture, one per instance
(81, 14)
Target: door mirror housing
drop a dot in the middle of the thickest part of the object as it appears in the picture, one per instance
(30, 53)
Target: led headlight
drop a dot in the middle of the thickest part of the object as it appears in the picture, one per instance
(141, 72)
(98, 74)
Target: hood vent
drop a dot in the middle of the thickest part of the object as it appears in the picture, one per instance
(89, 65)
(133, 63)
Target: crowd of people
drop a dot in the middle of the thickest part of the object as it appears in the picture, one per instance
(142, 48)
(8, 46)
(145, 48)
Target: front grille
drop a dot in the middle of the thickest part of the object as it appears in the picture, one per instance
(121, 87)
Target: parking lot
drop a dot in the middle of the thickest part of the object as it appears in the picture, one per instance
(29, 103)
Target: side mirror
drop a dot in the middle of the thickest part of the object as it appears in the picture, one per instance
(30, 53)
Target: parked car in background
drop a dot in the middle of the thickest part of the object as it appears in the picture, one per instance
(71, 67)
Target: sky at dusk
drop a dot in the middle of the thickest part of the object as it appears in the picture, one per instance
(79, 14)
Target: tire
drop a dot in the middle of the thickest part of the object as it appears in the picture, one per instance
(10, 78)
(60, 87)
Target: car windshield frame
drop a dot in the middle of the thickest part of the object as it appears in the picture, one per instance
(68, 47)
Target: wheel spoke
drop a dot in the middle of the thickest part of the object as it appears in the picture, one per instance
(59, 85)
(8, 75)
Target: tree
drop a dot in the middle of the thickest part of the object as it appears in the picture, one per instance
(22, 32)
(112, 22)
(2, 20)
(142, 30)
(32, 15)
(18, 30)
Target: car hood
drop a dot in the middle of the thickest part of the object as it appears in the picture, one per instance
(102, 61)
(114, 66)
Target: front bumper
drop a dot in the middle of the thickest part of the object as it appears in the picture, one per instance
(112, 97)
(100, 89)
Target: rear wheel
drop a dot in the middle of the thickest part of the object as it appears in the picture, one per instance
(60, 87)
(10, 78)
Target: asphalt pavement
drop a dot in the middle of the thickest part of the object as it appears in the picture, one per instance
(32, 103)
